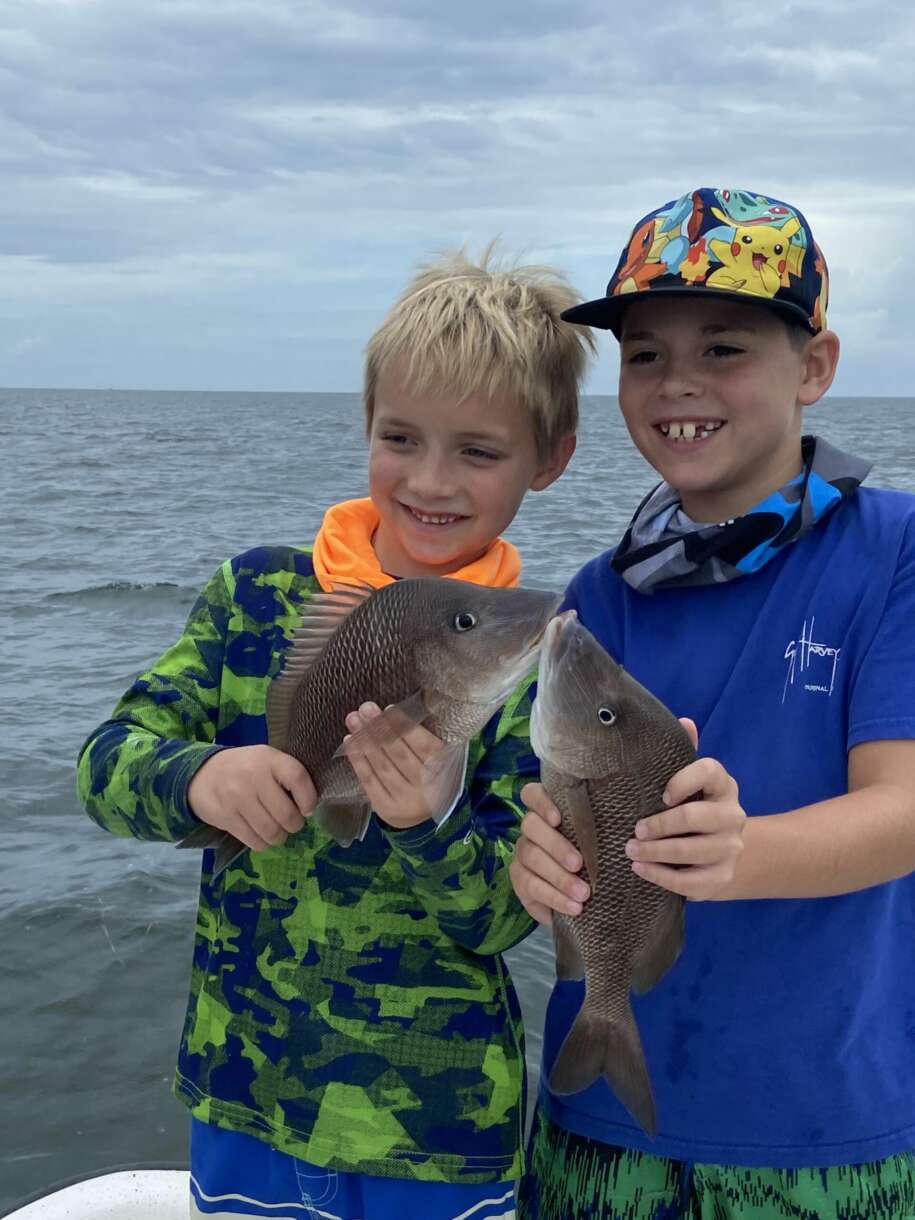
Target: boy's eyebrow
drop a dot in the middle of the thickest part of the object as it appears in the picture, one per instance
(713, 328)
(493, 436)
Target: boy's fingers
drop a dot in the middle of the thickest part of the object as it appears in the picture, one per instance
(692, 731)
(367, 776)
(257, 829)
(687, 850)
(265, 822)
(534, 891)
(694, 883)
(693, 818)
(535, 798)
(705, 775)
(292, 776)
(540, 864)
(536, 831)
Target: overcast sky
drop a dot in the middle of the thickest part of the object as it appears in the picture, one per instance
(227, 194)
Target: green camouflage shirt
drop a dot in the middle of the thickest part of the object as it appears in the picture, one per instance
(348, 1005)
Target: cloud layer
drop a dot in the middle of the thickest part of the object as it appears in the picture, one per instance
(229, 196)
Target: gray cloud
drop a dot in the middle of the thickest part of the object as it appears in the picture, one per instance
(229, 195)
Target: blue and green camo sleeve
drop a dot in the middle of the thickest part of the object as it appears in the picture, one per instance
(134, 770)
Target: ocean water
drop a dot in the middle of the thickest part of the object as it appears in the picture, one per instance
(115, 507)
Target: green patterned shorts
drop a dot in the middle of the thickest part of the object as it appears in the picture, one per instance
(572, 1178)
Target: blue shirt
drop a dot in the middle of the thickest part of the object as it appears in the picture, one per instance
(785, 1034)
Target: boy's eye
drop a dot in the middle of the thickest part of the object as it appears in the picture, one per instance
(394, 438)
(644, 357)
(724, 349)
(474, 451)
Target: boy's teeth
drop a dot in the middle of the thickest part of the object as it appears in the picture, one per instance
(687, 430)
(429, 519)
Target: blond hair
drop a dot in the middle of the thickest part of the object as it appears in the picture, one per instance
(477, 327)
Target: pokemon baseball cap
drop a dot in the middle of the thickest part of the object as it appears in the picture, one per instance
(745, 246)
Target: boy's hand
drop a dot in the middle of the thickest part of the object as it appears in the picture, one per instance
(391, 776)
(256, 793)
(702, 838)
(692, 847)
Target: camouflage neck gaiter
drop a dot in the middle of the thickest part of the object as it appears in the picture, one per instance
(665, 549)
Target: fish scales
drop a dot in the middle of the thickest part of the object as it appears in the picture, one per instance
(630, 931)
(443, 653)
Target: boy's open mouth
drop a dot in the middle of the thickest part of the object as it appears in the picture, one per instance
(688, 431)
(432, 518)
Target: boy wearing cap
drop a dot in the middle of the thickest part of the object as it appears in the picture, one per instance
(760, 590)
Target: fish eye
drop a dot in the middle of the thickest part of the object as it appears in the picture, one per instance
(606, 715)
(465, 621)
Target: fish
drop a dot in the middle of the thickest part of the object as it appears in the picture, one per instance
(440, 652)
(607, 749)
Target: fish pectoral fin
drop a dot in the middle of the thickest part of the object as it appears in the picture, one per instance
(578, 801)
(569, 962)
(442, 779)
(345, 821)
(391, 726)
(664, 947)
(226, 846)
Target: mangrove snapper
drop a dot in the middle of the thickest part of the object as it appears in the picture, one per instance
(607, 749)
(440, 652)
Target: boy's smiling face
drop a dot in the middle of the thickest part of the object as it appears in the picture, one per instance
(447, 474)
(712, 393)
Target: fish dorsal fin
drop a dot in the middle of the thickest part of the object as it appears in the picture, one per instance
(321, 616)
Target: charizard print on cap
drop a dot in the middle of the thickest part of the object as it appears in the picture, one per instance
(748, 246)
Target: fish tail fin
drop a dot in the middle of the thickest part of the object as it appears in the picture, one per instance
(596, 1046)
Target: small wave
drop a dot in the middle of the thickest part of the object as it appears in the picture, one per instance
(120, 588)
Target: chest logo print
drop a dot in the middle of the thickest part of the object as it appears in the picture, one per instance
(810, 663)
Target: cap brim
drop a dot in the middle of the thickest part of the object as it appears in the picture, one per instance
(603, 313)
(606, 313)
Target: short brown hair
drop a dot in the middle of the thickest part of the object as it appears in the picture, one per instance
(480, 327)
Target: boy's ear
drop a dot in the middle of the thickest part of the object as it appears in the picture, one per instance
(821, 358)
(553, 467)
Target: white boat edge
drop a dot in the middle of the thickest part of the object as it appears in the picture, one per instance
(118, 1194)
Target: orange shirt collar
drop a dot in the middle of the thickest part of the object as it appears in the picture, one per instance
(343, 550)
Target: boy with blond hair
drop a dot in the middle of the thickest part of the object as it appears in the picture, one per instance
(761, 590)
(353, 1044)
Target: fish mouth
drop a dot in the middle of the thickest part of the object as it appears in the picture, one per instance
(558, 637)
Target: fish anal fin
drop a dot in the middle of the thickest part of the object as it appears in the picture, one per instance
(345, 821)
(664, 947)
(569, 961)
(596, 1047)
(384, 730)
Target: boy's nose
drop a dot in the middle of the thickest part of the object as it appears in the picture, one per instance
(680, 382)
(431, 477)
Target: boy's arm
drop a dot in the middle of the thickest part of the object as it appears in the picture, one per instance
(833, 847)
(859, 839)
(135, 769)
(866, 836)
(459, 870)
